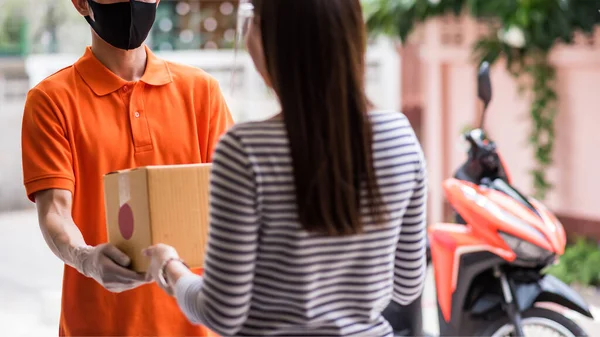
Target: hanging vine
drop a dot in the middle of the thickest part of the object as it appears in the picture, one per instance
(543, 113)
(528, 31)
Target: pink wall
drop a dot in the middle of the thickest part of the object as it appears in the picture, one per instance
(450, 104)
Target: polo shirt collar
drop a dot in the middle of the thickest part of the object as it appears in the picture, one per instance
(103, 81)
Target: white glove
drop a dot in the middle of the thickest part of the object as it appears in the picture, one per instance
(107, 265)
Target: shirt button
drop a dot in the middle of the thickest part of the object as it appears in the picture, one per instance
(125, 88)
(137, 114)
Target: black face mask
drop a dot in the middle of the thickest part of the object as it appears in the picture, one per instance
(124, 25)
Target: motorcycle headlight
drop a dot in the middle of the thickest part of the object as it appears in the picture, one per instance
(526, 251)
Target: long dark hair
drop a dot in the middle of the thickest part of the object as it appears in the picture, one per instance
(315, 58)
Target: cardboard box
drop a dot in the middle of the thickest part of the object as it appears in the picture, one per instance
(159, 204)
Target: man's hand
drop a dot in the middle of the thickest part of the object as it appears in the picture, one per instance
(108, 266)
(104, 263)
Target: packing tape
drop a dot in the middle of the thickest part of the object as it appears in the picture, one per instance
(124, 189)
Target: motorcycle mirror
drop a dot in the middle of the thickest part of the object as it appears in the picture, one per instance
(484, 87)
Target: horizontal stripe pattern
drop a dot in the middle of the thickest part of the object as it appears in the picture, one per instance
(265, 276)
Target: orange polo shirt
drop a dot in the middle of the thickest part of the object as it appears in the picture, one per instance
(83, 122)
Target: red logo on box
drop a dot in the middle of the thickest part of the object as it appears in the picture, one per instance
(126, 221)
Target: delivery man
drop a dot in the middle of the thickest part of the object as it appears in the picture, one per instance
(117, 107)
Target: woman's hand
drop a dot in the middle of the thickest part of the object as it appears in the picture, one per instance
(161, 256)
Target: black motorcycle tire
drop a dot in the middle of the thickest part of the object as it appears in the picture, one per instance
(573, 327)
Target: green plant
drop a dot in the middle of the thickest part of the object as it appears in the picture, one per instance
(523, 32)
(580, 264)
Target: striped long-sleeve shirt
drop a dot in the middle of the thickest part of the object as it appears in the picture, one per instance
(264, 275)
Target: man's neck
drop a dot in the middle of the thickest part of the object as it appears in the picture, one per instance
(129, 65)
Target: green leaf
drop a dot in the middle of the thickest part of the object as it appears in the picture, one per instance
(580, 263)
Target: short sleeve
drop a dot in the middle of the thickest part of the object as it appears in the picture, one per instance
(46, 152)
(220, 118)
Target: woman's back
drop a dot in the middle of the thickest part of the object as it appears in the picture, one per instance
(295, 283)
(317, 219)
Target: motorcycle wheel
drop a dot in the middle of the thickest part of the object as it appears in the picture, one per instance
(536, 322)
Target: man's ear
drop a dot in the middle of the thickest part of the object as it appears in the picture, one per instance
(82, 7)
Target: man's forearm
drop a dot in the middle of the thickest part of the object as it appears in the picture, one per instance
(64, 239)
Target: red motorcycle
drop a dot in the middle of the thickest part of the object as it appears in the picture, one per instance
(488, 265)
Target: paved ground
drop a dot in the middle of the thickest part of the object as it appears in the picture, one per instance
(30, 279)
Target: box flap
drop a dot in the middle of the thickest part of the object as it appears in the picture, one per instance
(125, 170)
(178, 167)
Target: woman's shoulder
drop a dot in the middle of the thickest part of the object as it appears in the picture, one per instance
(389, 121)
(254, 132)
(391, 131)
(387, 115)
(256, 128)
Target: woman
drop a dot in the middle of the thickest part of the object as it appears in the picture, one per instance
(317, 215)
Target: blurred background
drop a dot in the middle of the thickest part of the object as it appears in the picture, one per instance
(40, 37)
(424, 64)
